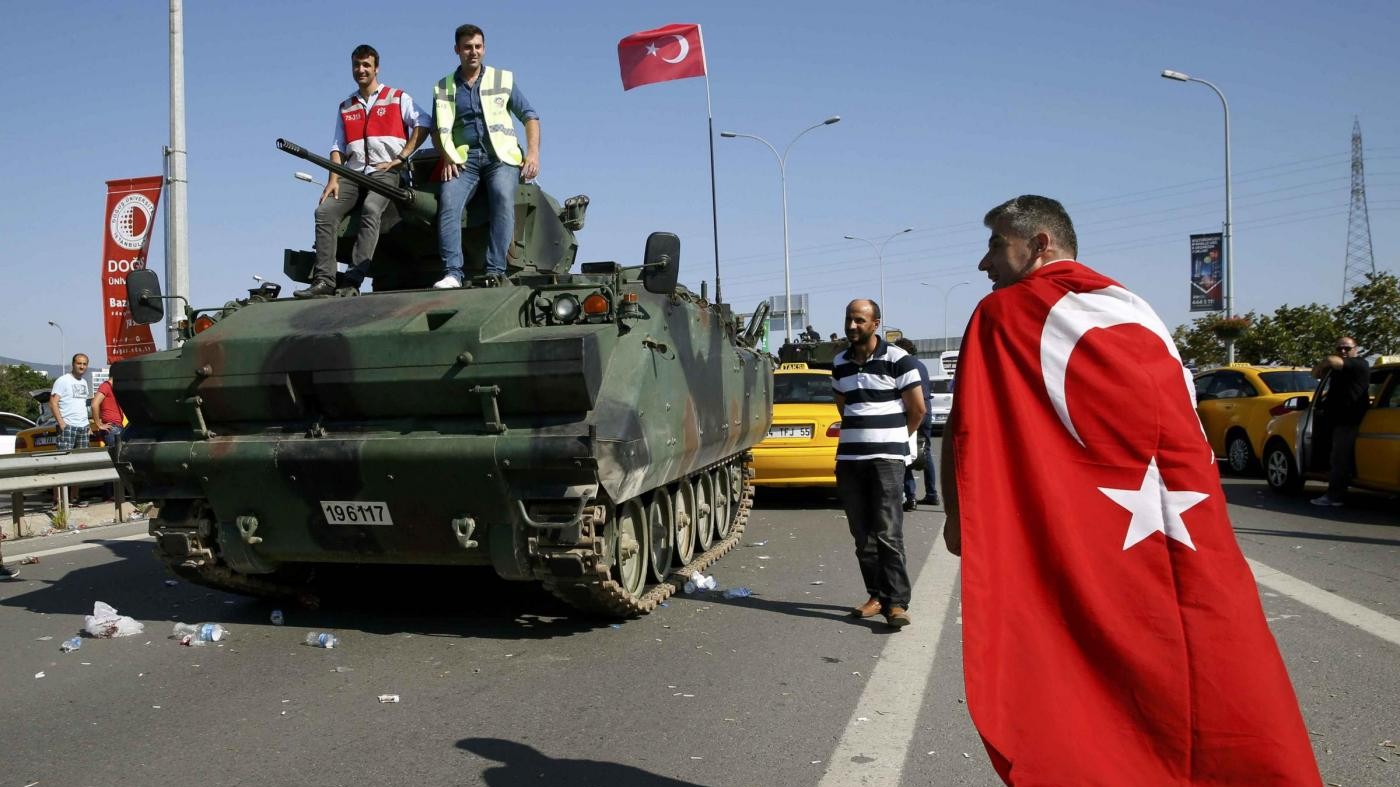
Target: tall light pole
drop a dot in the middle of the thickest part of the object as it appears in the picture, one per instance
(1229, 247)
(782, 174)
(880, 258)
(177, 236)
(62, 348)
(946, 293)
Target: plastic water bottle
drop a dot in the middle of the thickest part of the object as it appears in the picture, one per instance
(319, 639)
(199, 633)
(70, 645)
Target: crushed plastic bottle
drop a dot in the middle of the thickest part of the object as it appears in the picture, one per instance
(321, 639)
(699, 581)
(738, 593)
(70, 645)
(199, 633)
(277, 618)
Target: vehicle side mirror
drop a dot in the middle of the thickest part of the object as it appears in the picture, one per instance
(1299, 402)
(661, 263)
(143, 297)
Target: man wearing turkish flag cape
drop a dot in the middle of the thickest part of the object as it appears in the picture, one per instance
(1112, 630)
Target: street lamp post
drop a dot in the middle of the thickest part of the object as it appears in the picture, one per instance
(880, 258)
(946, 293)
(782, 175)
(1229, 246)
(62, 348)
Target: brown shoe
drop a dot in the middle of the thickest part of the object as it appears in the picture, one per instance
(897, 617)
(869, 609)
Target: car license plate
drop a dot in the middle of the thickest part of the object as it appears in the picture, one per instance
(804, 431)
(50, 440)
(355, 512)
(939, 418)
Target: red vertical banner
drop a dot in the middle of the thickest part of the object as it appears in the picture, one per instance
(131, 213)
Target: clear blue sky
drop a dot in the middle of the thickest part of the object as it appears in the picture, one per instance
(947, 109)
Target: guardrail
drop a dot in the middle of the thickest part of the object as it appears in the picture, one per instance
(20, 473)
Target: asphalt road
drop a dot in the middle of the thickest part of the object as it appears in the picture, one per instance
(499, 684)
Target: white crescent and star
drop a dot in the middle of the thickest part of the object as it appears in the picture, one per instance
(685, 49)
(1153, 506)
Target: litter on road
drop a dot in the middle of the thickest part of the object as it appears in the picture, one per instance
(105, 623)
(388, 698)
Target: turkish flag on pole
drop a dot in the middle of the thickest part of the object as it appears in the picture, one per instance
(660, 55)
(1113, 633)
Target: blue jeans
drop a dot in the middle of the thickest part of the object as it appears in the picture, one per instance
(501, 181)
(930, 475)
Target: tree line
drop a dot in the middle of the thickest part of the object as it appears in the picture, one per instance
(1300, 335)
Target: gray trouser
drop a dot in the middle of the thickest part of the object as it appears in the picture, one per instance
(1343, 461)
(870, 492)
(329, 215)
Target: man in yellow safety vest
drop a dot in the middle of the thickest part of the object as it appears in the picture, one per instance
(472, 127)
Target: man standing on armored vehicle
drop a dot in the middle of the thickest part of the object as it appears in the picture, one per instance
(472, 108)
(376, 129)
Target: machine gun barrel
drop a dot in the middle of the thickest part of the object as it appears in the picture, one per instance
(398, 194)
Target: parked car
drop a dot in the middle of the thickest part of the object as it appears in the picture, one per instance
(11, 424)
(44, 435)
(1234, 404)
(800, 449)
(1298, 447)
(940, 401)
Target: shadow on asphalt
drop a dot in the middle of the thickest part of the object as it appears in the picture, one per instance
(800, 609)
(1386, 542)
(796, 498)
(1362, 508)
(430, 601)
(523, 764)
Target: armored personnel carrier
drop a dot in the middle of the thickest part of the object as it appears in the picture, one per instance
(585, 430)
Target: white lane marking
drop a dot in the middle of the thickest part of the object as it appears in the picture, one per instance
(1364, 618)
(882, 725)
(76, 547)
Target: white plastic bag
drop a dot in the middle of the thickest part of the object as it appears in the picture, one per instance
(105, 623)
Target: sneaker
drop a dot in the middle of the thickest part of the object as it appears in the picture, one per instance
(929, 501)
(448, 282)
(8, 573)
(1326, 501)
(910, 505)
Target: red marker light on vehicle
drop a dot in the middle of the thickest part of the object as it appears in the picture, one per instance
(203, 323)
(834, 430)
(595, 304)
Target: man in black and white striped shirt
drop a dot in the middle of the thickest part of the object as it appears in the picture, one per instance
(881, 398)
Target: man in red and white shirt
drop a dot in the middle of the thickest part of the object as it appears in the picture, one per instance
(376, 130)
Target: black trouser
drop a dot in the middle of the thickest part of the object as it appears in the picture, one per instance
(871, 492)
(1343, 458)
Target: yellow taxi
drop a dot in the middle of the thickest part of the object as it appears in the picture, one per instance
(1293, 453)
(800, 449)
(44, 436)
(1233, 403)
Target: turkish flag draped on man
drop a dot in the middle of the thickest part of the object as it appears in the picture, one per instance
(1113, 633)
(660, 55)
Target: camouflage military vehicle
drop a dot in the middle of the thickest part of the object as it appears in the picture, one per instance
(818, 355)
(584, 430)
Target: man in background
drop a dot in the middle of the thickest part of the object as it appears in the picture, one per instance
(1345, 405)
(925, 442)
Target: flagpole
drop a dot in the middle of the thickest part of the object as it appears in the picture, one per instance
(714, 202)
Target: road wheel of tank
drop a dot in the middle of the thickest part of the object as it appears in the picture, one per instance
(719, 478)
(628, 545)
(661, 517)
(1238, 455)
(704, 512)
(736, 485)
(1280, 470)
(683, 503)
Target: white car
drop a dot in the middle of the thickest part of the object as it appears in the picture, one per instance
(940, 401)
(11, 424)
